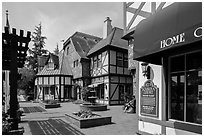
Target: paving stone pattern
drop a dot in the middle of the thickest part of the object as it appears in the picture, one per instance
(33, 109)
(52, 127)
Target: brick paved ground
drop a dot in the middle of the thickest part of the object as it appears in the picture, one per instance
(123, 123)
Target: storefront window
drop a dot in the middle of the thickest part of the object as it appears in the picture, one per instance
(177, 96)
(186, 87)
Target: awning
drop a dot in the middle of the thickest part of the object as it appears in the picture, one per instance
(175, 26)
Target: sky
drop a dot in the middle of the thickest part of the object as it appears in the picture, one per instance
(62, 19)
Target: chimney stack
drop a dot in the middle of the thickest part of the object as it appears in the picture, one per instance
(107, 28)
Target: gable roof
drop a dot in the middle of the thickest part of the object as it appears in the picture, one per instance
(82, 43)
(63, 66)
(113, 39)
(55, 59)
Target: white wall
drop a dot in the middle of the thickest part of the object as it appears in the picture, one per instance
(173, 131)
(156, 77)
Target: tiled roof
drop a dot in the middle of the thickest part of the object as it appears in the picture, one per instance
(113, 39)
(83, 43)
(63, 69)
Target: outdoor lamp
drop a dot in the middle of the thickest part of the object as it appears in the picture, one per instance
(146, 70)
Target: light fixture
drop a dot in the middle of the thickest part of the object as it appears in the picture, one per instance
(133, 71)
(146, 70)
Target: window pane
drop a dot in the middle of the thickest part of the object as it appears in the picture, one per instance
(120, 59)
(177, 63)
(177, 96)
(194, 61)
(194, 97)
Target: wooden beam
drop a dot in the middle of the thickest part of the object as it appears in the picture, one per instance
(142, 13)
(153, 7)
(124, 17)
(135, 15)
(129, 4)
(161, 5)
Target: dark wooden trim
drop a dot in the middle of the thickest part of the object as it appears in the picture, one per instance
(116, 66)
(59, 88)
(175, 124)
(64, 88)
(114, 91)
(53, 75)
(55, 88)
(43, 81)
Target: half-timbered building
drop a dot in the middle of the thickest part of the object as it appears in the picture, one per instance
(109, 72)
(54, 81)
(75, 49)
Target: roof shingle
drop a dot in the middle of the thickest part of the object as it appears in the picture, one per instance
(113, 39)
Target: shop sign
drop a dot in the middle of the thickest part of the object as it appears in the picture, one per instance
(149, 99)
(172, 40)
(180, 38)
(198, 32)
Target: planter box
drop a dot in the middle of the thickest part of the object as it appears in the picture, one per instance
(97, 107)
(88, 122)
(45, 106)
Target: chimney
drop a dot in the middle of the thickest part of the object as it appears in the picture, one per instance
(107, 28)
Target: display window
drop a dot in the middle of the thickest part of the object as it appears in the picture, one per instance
(185, 91)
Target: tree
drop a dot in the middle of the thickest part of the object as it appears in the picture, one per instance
(26, 79)
(37, 49)
(56, 50)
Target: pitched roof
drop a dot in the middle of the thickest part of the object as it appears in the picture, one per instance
(113, 39)
(55, 59)
(83, 42)
(63, 69)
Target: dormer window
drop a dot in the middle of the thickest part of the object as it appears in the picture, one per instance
(50, 64)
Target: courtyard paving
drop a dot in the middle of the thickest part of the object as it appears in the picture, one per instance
(52, 121)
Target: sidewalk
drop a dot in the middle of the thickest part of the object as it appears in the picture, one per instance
(123, 123)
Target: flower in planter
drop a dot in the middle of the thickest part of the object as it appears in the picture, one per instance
(84, 114)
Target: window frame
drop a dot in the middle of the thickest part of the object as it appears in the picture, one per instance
(185, 71)
(119, 58)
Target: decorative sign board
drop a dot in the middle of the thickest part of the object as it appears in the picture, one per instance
(149, 101)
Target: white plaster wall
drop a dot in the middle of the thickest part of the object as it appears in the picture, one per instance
(173, 131)
(112, 57)
(68, 80)
(40, 80)
(57, 80)
(156, 76)
(149, 128)
(51, 80)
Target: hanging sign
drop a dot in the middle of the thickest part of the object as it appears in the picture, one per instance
(149, 99)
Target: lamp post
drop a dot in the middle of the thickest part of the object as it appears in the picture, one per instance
(14, 49)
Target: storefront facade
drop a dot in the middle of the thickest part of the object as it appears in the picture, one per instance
(109, 72)
(54, 81)
(168, 48)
